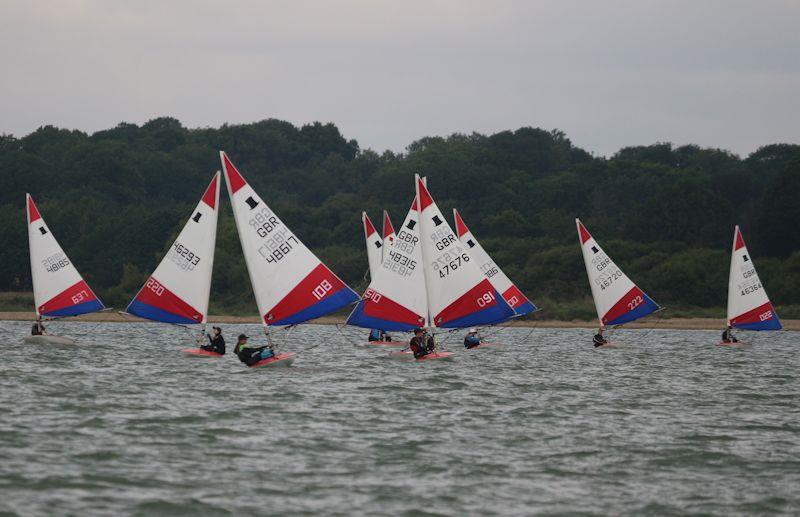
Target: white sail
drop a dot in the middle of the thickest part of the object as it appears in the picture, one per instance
(58, 288)
(290, 283)
(617, 299)
(179, 289)
(459, 294)
(374, 245)
(748, 304)
(511, 293)
(396, 298)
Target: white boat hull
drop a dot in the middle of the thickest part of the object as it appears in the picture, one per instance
(48, 340)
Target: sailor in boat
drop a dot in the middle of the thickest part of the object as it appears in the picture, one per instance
(216, 343)
(379, 335)
(38, 328)
(728, 337)
(598, 339)
(421, 344)
(251, 356)
(472, 340)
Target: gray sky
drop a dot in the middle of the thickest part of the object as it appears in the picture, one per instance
(719, 73)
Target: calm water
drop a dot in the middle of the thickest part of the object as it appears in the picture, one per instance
(667, 424)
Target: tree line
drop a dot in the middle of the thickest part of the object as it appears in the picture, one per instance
(117, 198)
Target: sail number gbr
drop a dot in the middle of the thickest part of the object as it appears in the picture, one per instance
(278, 241)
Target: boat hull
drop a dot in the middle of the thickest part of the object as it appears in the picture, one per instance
(280, 360)
(199, 352)
(49, 340)
(446, 356)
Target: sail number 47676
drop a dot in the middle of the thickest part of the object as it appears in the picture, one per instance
(446, 267)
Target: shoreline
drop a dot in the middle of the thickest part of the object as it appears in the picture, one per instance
(671, 323)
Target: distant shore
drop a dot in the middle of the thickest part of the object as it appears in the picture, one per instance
(664, 323)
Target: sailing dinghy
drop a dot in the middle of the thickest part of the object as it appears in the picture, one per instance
(617, 299)
(58, 289)
(511, 293)
(291, 285)
(179, 289)
(749, 307)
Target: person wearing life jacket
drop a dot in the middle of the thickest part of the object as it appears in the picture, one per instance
(472, 340)
(251, 356)
(728, 337)
(379, 335)
(598, 339)
(419, 345)
(216, 343)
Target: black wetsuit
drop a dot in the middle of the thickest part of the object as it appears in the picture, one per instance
(599, 340)
(36, 330)
(727, 337)
(216, 344)
(418, 347)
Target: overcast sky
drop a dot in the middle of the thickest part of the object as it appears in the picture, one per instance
(719, 73)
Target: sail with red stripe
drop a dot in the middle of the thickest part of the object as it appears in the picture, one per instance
(58, 288)
(179, 289)
(374, 245)
(749, 307)
(396, 298)
(617, 299)
(459, 294)
(291, 285)
(510, 292)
